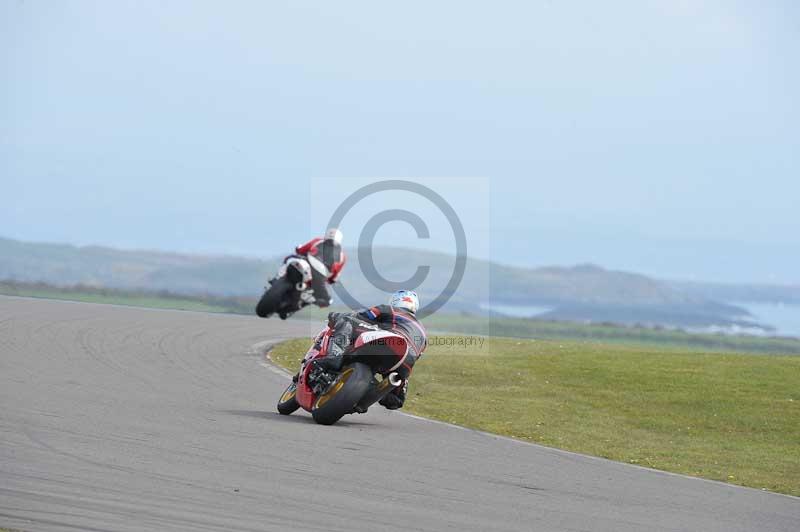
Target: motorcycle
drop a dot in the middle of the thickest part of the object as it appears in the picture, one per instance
(292, 288)
(376, 363)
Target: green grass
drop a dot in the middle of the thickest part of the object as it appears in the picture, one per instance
(722, 416)
(609, 333)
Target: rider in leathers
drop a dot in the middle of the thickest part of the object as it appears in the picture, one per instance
(398, 316)
(329, 251)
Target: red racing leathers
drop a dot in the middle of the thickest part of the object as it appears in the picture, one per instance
(332, 256)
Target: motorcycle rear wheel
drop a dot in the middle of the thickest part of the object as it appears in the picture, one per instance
(272, 299)
(342, 396)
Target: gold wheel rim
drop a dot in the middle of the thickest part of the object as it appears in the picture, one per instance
(289, 394)
(335, 388)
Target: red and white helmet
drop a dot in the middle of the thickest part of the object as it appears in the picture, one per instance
(406, 300)
(334, 235)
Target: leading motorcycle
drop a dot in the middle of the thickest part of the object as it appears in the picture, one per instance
(292, 288)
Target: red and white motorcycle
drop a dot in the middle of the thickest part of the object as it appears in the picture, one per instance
(291, 289)
(376, 363)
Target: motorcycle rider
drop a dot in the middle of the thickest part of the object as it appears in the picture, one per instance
(399, 316)
(328, 249)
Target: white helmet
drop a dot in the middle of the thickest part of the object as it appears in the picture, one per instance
(335, 235)
(406, 300)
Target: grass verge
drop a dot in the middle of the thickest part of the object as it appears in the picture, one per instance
(609, 333)
(721, 416)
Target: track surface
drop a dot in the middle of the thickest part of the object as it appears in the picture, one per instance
(117, 418)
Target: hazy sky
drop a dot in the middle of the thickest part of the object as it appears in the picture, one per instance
(661, 137)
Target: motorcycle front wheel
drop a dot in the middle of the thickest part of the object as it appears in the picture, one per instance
(288, 401)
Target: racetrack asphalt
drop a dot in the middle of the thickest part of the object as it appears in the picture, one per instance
(120, 418)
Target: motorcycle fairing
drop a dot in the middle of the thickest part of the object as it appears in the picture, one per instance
(384, 351)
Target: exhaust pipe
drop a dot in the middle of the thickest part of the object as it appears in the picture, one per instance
(394, 379)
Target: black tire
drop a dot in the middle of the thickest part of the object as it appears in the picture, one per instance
(271, 301)
(342, 396)
(288, 401)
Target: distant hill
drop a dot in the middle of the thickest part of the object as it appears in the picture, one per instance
(751, 293)
(62, 264)
(583, 292)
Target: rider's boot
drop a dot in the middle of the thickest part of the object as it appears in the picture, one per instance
(334, 359)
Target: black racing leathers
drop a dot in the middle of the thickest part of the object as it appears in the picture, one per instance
(347, 325)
